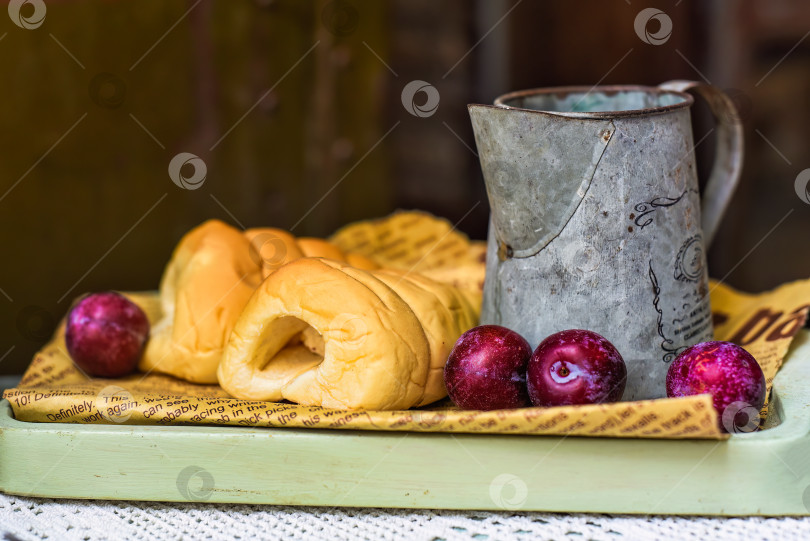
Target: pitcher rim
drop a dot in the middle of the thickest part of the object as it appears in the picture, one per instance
(688, 100)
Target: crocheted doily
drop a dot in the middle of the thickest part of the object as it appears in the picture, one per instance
(36, 518)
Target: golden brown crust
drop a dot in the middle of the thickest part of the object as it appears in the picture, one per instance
(313, 247)
(415, 241)
(335, 328)
(385, 338)
(361, 262)
(209, 279)
(271, 248)
(444, 315)
(207, 282)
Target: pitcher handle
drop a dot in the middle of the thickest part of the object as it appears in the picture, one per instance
(728, 159)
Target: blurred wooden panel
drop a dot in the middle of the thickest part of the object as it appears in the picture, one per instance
(98, 100)
(765, 231)
(433, 158)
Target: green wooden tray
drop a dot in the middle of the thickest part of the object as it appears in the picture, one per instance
(763, 473)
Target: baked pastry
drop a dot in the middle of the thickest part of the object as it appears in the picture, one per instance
(416, 241)
(320, 332)
(204, 288)
(444, 313)
(273, 248)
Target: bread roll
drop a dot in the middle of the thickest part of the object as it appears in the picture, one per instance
(272, 248)
(416, 241)
(320, 332)
(204, 288)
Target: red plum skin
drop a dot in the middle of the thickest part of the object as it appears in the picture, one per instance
(725, 370)
(106, 334)
(575, 367)
(486, 369)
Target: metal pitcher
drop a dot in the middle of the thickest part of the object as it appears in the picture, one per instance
(596, 219)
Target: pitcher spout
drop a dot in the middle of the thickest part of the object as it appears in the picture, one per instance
(537, 168)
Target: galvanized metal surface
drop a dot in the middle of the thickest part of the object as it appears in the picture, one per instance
(596, 219)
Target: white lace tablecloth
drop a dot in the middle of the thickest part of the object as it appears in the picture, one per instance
(35, 518)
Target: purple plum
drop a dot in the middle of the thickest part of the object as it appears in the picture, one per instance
(486, 369)
(575, 367)
(732, 376)
(105, 334)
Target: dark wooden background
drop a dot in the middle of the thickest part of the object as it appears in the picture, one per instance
(294, 106)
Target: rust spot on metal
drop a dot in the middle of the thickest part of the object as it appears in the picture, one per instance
(504, 251)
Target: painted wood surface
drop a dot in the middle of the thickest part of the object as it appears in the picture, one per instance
(763, 473)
